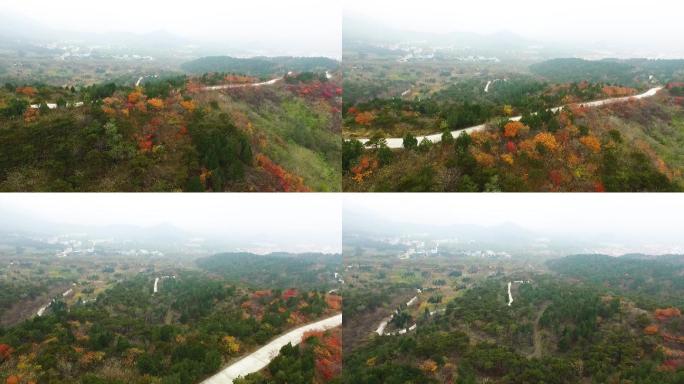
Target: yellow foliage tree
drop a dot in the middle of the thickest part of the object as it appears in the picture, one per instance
(231, 344)
(484, 159)
(428, 366)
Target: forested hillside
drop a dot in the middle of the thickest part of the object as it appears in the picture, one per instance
(650, 281)
(172, 134)
(632, 146)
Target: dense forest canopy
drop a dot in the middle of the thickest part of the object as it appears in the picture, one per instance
(630, 72)
(280, 270)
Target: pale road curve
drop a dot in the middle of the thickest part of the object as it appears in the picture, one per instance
(245, 85)
(259, 359)
(383, 324)
(398, 142)
(210, 88)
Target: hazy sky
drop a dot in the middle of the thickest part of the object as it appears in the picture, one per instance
(616, 21)
(314, 24)
(644, 215)
(311, 220)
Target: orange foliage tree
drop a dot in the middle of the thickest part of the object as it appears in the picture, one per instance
(512, 128)
(188, 105)
(428, 366)
(334, 302)
(156, 103)
(134, 97)
(27, 91)
(664, 314)
(592, 143)
(364, 168)
(364, 118)
(547, 140)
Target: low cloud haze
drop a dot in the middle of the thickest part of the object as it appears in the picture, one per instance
(643, 28)
(263, 223)
(601, 223)
(298, 27)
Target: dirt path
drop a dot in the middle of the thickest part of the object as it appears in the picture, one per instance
(537, 337)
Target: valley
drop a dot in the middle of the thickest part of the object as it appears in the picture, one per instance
(505, 320)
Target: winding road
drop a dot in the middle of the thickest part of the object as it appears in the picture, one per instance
(398, 142)
(383, 324)
(245, 85)
(208, 88)
(260, 358)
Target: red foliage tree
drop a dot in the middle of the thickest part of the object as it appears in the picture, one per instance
(5, 352)
(328, 354)
(287, 182)
(599, 187)
(290, 293)
(511, 147)
(556, 177)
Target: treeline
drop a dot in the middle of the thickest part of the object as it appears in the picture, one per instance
(260, 66)
(277, 270)
(632, 72)
(651, 282)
